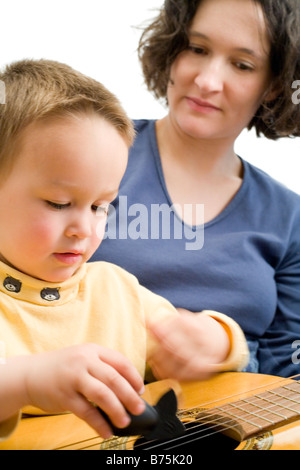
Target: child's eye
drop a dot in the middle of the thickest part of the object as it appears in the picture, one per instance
(57, 206)
(101, 210)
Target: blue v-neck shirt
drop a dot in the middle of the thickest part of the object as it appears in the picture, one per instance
(244, 263)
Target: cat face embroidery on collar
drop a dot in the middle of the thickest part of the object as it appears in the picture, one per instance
(50, 294)
(12, 285)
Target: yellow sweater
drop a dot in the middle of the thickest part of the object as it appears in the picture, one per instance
(100, 304)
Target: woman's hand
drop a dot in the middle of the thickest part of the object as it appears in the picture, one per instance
(189, 347)
(72, 378)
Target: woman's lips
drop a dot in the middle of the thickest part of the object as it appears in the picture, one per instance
(68, 258)
(201, 106)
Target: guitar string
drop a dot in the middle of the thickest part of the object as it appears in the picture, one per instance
(132, 440)
(215, 423)
(203, 430)
(82, 442)
(225, 424)
(230, 424)
(215, 401)
(110, 445)
(197, 430)
(207, 431)
(218, 423)
(262, 388)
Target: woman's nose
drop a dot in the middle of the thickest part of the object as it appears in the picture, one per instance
(210, 78)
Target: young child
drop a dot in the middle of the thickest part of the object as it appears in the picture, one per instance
(74, 333)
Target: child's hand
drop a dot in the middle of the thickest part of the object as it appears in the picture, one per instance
(69, 379)
(189, 347)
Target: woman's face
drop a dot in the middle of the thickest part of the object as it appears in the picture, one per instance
(219, 82)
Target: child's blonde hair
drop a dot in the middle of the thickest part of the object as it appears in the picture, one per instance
(40, 89)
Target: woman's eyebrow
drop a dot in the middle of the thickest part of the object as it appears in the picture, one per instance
(197, 34)
(245, 50)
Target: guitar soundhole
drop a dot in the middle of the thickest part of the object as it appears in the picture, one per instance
(194, 438)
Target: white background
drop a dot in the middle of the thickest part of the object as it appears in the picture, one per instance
(99, 38)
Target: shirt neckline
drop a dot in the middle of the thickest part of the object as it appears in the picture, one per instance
(225, 212)
(20, 286)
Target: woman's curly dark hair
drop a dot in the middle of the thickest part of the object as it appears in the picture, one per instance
(167, 36)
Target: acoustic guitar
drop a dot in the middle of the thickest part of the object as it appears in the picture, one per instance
(231, 411)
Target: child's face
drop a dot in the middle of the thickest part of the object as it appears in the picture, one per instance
(53, 204)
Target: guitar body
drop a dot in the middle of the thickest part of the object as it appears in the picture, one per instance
(67, 432)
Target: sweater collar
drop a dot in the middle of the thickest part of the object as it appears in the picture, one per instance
(23, 287)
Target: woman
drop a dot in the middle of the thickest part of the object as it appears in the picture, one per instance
(222, 66)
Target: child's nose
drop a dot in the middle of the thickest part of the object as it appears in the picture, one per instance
(80, 226)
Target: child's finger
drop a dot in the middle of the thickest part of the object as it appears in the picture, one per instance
(113, 394)
(124, 367)
(86, 411)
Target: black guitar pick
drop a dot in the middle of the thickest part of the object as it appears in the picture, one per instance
(156, 422)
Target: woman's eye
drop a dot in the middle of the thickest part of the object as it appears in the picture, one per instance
(244, 66)
(57, 206)
(196, 49)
